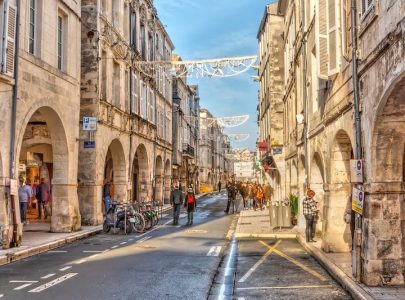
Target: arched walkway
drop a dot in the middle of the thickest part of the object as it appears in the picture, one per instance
(140, 176)
(115, 170)
(159, 179)
(42, 144)
(337, 236)
(385, 200)
(317, 180)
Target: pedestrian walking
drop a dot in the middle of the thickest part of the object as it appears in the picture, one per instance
(232, 191)
(24, 196)
(106, 195)
(43, 194)
(259, 196)
(176, 199)
(244, 191)
(268, 192)
(190, 203)
(310, 209)
(253, 192)
(219, 186)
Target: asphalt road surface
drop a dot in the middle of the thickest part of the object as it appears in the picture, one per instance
(169, 262)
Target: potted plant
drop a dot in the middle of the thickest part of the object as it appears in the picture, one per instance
(294, 209)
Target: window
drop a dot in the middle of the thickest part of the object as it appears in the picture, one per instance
(366, 7)
(346, 30)
(151, 48)
(134, 94)
(32, 24)
(104, 75)
(7, 41)
(60, 42)
(143, 42)
(151, 106)
(142, 103)
(116, 101)
(133, 25)
(127, 92)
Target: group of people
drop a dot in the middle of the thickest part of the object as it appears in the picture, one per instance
(188, 200)
(254, 195)
(28, 192)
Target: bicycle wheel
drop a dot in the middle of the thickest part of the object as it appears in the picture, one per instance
(148, 221)
(155, 218)
(139, 225)
(128, 227)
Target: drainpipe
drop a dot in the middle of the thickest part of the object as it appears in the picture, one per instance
(130, 136)
(304, 90)
(356, 255)
(15, 240)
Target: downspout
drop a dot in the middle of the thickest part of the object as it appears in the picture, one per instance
(304, 91)
(15, 240)
(130, 164)
(357, 117)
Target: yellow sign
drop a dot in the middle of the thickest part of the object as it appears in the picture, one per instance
(205, 188)
(357, 201)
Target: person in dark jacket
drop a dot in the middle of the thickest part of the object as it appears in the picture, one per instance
(176, 199)
(232, 191)
(42, 194)
(190, 203)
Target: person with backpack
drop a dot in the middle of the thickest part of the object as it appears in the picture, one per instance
(176, 199)
(190, 203)
(43, 194)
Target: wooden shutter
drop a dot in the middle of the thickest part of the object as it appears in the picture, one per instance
(322, 38)
(143, 96)
(134, 94)
(334, 45)
(9, 41)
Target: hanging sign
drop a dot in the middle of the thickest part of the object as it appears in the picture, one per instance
(356, 171)
(89, 123)
(277, 150)
(13, 187)
(263, 146)
(89, 144)
(357, 201)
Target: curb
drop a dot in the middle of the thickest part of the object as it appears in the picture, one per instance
(267, 235)
(11, 257)
(345, 281)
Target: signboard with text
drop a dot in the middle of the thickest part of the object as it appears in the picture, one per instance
(89, 123)
(262, 146)
(356, 171)
(358, 201)
(13, 187)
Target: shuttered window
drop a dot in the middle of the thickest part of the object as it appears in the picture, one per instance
(346, 29)
(333, 37)
(134, 94)
(8, 48)
(366, 7)
(32, 26)
(322, 38)
(143, 100)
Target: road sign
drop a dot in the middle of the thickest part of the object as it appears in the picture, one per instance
(357, 201)
(13, 187)
(89, 123)
(356, 171)
(89, 144)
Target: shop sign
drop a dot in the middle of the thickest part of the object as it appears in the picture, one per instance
(277, 150)
(89, 123)
(356, 171)
(89, 144)
(22, 168)
(34, 163)
(357, 201)
(263, 146)
(13, 187)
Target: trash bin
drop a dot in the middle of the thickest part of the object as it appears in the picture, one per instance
(274, 214)
(285, 214)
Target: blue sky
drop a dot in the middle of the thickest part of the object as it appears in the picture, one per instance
(203, 29)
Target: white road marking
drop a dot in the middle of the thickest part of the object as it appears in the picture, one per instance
(285, 287)
(116, 246)
(183, 215)
(228, 269)
(153, 229)
(1, 295)
(52, 283)
(165, 215)
(65, 268)
(214, 251)
(57, 251)
(241, 298)
(81, 261)
(130, 240)
(93, 256)
(22, 286)
(89, 251)
(106, 250)
(144, 239)
(22, 281)
(47, 276)
(123, 243)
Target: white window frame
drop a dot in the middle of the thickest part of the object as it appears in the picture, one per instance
(60, 27)
(366, 7)
(135, 94)
(32, 23)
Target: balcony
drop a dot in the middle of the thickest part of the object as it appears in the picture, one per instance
(188, 151)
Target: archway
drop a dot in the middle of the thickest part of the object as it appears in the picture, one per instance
(337, 236)
(159, 180)
(44, 155)
(317, 180)
(115, 171)
(385, 200)
(167, 179)
(140, 176)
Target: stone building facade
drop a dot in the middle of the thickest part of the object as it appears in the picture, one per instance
(132, 105)
(213, 145)
(47, 84)
(271, 106)
(319, 132)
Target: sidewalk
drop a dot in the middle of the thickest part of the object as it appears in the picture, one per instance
(37, 239)
(256, 224)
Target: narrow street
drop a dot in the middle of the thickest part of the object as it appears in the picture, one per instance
(169, 262)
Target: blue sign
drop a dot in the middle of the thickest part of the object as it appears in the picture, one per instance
(89, 144)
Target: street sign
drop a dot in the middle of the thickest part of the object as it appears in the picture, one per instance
(13, 187)
(356, 170)
(89, 123)
(89, 144)
(357, 201)
(277, 150)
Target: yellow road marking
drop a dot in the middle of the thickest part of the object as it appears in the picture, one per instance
(305, 268)
(286, 287)
(252, 269)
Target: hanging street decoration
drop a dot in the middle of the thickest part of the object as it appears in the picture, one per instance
(220, 67)
(234, 121)
(238, 137)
